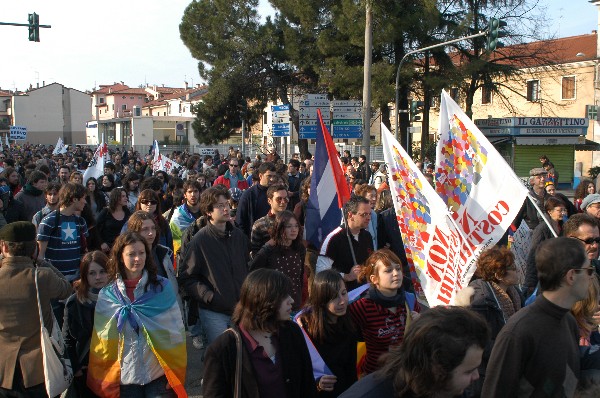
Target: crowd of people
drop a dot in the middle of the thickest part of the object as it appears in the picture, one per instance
(133, 262)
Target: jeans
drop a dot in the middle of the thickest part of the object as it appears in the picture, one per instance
(155, 389)
(214, 323)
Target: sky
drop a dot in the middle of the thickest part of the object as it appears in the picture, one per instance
(137, 42)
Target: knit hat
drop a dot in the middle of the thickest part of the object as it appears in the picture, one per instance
(590, 199)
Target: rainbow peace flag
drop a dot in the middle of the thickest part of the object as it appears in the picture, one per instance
(156, 317)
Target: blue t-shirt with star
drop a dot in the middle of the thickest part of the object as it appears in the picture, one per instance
(64, 241)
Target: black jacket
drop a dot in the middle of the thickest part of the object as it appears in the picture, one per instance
(252, 206)
(77, 331)
(216, 262)
(221, 356)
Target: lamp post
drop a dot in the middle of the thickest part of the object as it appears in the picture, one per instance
(405, 57)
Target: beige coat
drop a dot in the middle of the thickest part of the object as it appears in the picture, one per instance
(20, 338)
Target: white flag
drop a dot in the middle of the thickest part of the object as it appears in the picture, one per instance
(7, 144)
(478, 187)
(60, 147)
(431, 238)
(96, 167)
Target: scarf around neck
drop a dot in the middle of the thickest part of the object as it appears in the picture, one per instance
(31, 190)
(384, 301)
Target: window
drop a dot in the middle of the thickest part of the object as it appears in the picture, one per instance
(131, 97)
(113, 107)
(101, 100)
(124, 107)
(454, 93)
(486, 95)
(434, 102)
(568, 87)
(533, 90)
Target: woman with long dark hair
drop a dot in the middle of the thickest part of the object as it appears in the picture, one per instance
(329, 326)
(94, 197)
(555, 212)
(285, 252)
(586, 187)
(112, 218)
(275, 359)
(79, 315)
(439, 358)
(138, 344)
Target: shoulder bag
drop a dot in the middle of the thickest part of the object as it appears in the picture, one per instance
(58, 373)
(238, 364)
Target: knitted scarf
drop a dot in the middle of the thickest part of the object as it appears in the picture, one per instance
(156, 316)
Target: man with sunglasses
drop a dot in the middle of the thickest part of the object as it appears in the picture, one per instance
(537, 353)
(584, 228)
(233, 178)
(277, 197)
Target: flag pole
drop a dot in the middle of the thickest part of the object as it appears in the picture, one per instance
(532, 200)
(349, 238)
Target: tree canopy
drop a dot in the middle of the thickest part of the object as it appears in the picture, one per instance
(318, 46)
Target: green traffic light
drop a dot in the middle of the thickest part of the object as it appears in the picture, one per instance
(34, 27)
(494, 33)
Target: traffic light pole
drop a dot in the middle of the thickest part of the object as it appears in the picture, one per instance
(33, 26)
(404, 58)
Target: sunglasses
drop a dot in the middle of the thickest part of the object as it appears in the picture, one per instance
(233, 165)
(282, 199)
(588, 241)
(148, 202)
(589, 270)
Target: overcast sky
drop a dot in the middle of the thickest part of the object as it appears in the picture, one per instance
(138, 41)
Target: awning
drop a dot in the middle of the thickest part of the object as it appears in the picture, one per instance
(589, 145)
(498, 140)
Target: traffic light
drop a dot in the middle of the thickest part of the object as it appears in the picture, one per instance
(34, 27)
(416, 107)
(494, 32)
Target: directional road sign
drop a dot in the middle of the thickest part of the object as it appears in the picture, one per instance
(280, 120)
(347, 119)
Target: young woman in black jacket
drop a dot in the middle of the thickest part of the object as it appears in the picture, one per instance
(79, 316)
(330, 328)
(275, 359)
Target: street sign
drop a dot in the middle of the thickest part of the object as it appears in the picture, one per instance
(347, 119)
(308, 105)
(280, 120)
(18, 132)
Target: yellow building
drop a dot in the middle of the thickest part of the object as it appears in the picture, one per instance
(562, 83)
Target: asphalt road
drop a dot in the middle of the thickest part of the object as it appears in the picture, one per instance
(194, 371)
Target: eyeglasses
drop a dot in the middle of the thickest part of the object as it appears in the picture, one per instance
(589, 270)
(588, 241)
(148, 202)
(282, 199)
(233, 165)
(221, 206)
(560, 210)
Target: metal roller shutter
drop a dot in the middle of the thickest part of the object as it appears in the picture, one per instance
(563, 156)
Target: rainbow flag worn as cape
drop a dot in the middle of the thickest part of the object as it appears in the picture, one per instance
(156, 316)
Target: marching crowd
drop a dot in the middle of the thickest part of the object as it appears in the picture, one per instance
(131, 263)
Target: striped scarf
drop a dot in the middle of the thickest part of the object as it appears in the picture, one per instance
(150, 314)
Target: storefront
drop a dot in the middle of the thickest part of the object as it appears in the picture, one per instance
(522, 140)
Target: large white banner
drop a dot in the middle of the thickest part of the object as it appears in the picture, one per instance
(96, 167)
(431, 238)
(479, 188)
